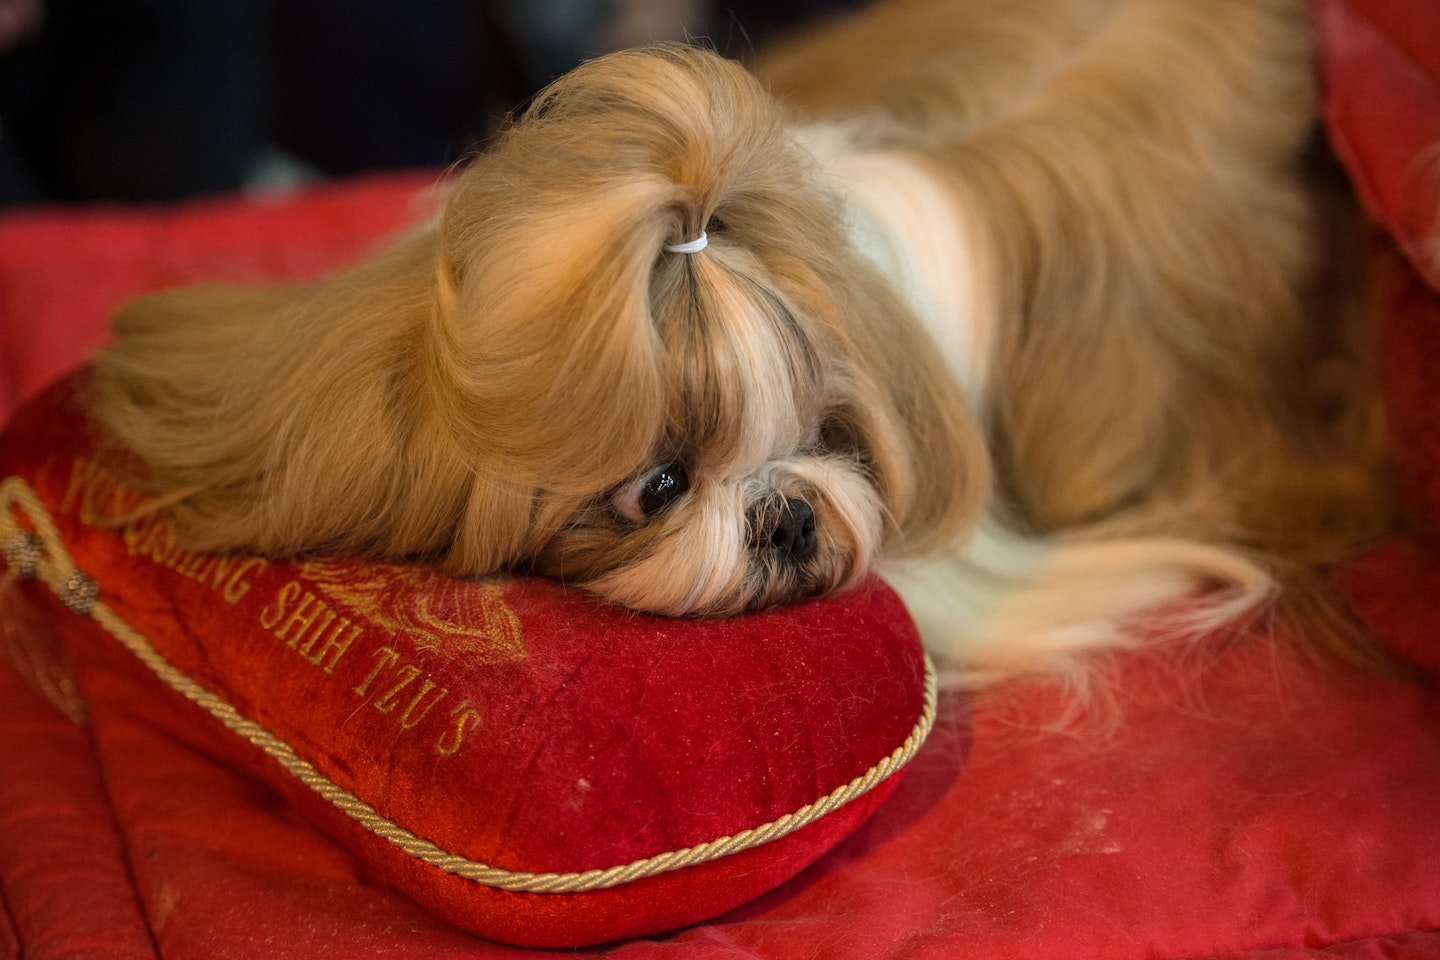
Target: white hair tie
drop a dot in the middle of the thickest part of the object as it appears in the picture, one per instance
(691, 246)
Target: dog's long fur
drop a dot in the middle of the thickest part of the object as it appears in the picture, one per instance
(1140, 398)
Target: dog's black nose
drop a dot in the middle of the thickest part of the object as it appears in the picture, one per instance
(787, 525)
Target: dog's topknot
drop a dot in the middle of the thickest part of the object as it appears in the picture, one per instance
(562, 227)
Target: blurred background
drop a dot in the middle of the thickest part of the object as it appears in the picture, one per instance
(158, 100)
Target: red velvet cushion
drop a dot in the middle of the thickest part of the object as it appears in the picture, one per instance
(536, 766)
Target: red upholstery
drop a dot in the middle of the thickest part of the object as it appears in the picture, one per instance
(1234, 802)
(1382, 110)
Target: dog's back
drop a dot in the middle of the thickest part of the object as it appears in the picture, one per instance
(1176, 353)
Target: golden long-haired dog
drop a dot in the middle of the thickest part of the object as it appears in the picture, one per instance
(1032, 288)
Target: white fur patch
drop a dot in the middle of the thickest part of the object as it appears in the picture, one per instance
(904, 219)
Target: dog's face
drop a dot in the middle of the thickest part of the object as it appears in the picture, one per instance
(686, 433)
(757, 486)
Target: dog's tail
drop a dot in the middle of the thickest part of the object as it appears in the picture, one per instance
(1013, 605)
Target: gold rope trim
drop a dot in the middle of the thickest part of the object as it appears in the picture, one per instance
(42, 555)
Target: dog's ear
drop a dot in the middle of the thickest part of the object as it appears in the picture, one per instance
(295, 418)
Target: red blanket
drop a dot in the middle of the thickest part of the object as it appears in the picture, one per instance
(1231, 802)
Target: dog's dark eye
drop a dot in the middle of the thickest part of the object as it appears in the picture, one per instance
(647, 495)
(837, 435)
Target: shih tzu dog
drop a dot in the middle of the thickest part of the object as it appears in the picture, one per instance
(1030, 288)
